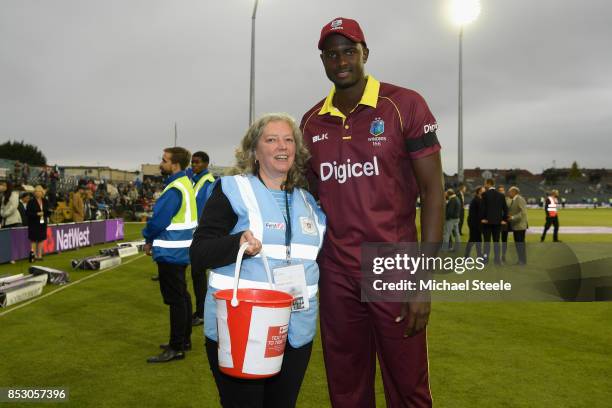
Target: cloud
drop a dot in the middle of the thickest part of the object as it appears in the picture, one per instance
(103, 82)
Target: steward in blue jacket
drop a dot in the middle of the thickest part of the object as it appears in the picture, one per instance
(202, 179)
(168, 236)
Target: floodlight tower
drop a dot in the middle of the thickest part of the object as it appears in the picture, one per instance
(252, 85)
(464, 12)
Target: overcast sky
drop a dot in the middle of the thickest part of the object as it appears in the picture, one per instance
(102, 82)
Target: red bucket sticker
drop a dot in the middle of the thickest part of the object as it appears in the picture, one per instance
(277, 337)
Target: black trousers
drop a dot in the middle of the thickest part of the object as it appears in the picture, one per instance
(505, 230)
(280, 391)
(173, 288)
(475, 239)
(199, 290)
(521, 249)
(554, 221)
(491, 231)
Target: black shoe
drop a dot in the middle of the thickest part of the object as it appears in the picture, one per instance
(197, 321)
(542, 239)
(166, 346)
(155, 278)
(31, 257)
(168, 355)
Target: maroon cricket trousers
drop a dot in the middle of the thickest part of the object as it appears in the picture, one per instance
(354, 333)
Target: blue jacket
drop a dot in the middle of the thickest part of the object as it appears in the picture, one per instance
(164, 210)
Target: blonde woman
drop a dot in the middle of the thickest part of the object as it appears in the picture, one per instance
(265, 205)
(38, 214)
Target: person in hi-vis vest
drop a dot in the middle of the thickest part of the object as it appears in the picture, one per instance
(264, 205)
(202, 179)
(551, 207)
(168, 235)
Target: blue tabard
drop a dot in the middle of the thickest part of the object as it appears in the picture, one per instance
(258, 212)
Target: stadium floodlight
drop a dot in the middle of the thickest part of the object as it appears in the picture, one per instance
(252, 84)
(464, 12)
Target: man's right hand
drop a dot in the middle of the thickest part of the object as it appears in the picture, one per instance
(147, 249)
(254, 243)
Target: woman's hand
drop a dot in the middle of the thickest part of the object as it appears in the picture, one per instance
(254, 243)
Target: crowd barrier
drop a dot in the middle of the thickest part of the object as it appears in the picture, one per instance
(14, 243)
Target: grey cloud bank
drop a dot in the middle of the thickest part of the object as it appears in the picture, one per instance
(102, 82)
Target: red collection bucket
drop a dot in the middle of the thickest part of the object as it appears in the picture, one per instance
(253, 326)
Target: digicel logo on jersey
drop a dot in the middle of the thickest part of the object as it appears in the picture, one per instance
(344, 171)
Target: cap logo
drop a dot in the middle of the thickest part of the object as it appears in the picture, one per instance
(336, 24)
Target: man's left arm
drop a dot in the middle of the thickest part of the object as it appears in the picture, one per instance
(424, 152)
(429, 177)
(428, 173)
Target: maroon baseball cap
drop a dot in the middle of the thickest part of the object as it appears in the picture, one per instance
(343, 26)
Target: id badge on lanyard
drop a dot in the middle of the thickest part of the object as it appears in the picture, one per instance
(292, 279)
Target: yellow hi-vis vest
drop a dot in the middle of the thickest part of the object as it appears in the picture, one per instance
(172, 245)
(198, 186)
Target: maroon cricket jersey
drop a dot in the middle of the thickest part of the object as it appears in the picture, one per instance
(361, 169)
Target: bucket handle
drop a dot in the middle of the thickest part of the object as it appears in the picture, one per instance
(264, 259)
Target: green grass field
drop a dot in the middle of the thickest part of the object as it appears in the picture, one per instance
(94, 336)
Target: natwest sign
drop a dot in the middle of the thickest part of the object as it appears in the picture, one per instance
(70, 238)
(63, 237)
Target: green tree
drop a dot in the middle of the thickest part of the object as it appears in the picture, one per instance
(574, 172)
(551, 175)
(24, 152)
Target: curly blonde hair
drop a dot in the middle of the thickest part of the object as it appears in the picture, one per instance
(245, 154)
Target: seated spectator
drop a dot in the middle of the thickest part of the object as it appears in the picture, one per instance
(157, 194)
(17, 172)
(26, 173)
(91, 207)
